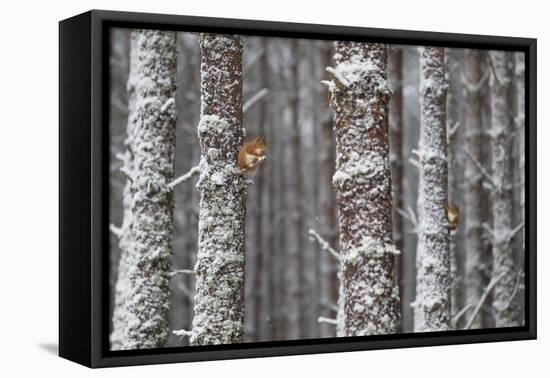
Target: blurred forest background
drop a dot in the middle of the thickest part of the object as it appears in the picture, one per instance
(291, 283)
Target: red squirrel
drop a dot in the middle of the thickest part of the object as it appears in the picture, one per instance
(252, 153)
(453, 215)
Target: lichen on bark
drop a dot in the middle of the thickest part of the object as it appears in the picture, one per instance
(219, 299)
(359, 100)
(153, 145)
(432, 304)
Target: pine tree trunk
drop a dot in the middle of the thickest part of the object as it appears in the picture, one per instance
(262, 249)
(295, 264)
(505, 307)
(328, 269)
(153, 145)
(453, 74)
(473, 191)
(125, 238)
(359, 99)
(432, 305)
(219, 300)
(520, 127)
(395, 73)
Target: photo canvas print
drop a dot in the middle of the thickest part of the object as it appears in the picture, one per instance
(267, 189)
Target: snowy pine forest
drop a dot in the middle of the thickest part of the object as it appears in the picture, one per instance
(388, 195)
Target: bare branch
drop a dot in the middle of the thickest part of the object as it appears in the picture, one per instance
(127, 172)
(253, 59)
(185, 290)
(492, 67)
(254, 99)
(192, 172)
(415, 162)
(452, 130)
(325, 246)
(489, 231)
(517, 285)
(411, 217)
(475, 87)
(490, 287)
(480, 167)
(512, 233)
(322, 319)
(457, 317)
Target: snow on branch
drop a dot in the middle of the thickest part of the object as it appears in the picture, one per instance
(117, 231)
(182, 333)
(480, 167)
(182, 271)
(127, 172)
(325, 246)
(490, 287)
(415, 160)
(255, 99)
(192, 172)
(322, 319)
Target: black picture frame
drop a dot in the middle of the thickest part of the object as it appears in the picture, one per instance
(84, 192)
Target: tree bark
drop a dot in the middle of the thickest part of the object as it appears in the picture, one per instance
(453, 76)
(506, 310)
(473, 191)
(359, 99)
(262, 249)
(395, 75)
(153, 144)
(520, 127)
(125, 239)
(295, 264)
(328, 268)
(219, 299)
(432, 305)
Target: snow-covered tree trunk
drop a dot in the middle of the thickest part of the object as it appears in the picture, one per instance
(153, 144)
(432, 304)
(520, 129)
(125, 238)
(506, 310)
(219, 299)
(359, 99)
(453, 74)
(473, 190)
